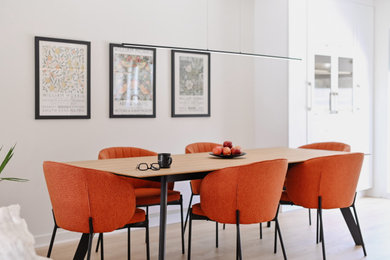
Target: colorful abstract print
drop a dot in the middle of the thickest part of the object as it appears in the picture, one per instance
(133, 77)
(191, 76)
(63, 78)
(63, 69)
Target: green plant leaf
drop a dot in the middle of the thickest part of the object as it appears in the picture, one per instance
(7, 158)
(13, 179)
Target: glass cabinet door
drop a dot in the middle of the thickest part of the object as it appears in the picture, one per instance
(322, 83)
(345, 84)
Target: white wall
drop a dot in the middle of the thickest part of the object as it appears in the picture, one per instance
(172, 22)
(381, 97)
(271, 81)
(297, 88)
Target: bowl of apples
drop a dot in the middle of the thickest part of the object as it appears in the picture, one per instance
(227, 151)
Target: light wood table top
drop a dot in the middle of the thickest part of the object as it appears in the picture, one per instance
(200, 162)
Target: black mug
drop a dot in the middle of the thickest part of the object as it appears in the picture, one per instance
(164, 160)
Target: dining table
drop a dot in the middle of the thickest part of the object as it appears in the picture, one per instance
(196, 166)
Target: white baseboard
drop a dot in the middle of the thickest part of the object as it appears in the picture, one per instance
(63, 236)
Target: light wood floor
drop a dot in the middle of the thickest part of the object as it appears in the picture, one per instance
(299, 238)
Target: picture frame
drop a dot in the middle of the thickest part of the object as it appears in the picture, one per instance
(132, 82)
(62, 78)
(190, 84)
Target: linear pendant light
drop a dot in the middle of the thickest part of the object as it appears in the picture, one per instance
(211, 51)
(215, 51)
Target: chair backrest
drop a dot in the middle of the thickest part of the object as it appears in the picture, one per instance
(334, 178)
(200, 147)
(77, 194)
(330, 146)
(126, 152)
(253, 189)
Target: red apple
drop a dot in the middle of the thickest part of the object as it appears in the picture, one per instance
(226, 151)
(217, 150)
(236, 150)
(227, 144)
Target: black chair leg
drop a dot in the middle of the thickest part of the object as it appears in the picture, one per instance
(224, 226)
(319, 232)
(275, 239)
(98, 243)
(321, 228)
(189, 234)
(238, 239)
(261, 230)
(181, 225)
(147, 242)
(188, 212)
(360, 232)
(101, 246)
(317, 228)
(147, 216)
(128, 244)
(280, 238)
(53, 235)
(90, 239)
(269, 224)
(216, 234)
(309, 217)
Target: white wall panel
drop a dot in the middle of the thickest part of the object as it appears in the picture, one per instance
(171, 22)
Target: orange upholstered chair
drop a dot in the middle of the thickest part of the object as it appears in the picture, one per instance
(330, 146)
(245, 194)
(325, 183)
(147, 193)
(90, 201)
(201, 147)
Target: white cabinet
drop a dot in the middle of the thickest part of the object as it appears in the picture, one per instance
(339, 75)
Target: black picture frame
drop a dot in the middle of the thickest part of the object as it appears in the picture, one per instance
(190, 84)
(137, 73)
(62, 78)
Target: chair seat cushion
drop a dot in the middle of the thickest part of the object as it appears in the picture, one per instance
(195, 186)
(151, 196)
(139, 216)
(197, 210)
(285, 197)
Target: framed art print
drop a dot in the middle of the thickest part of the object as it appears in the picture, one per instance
(62, 79)
(190, 84)
(132, 81)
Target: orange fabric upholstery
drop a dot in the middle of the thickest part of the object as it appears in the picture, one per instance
(201, 147)
(334, 178)
(285, 196)
(253, 189)
(77, 194)
(150, 196)
(197, 210)
(330, 146)
(139, 216)
(125, 152)
(195, 186)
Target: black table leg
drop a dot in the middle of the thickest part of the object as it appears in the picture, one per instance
(352, 226)
(163, 217)
(82, 247)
